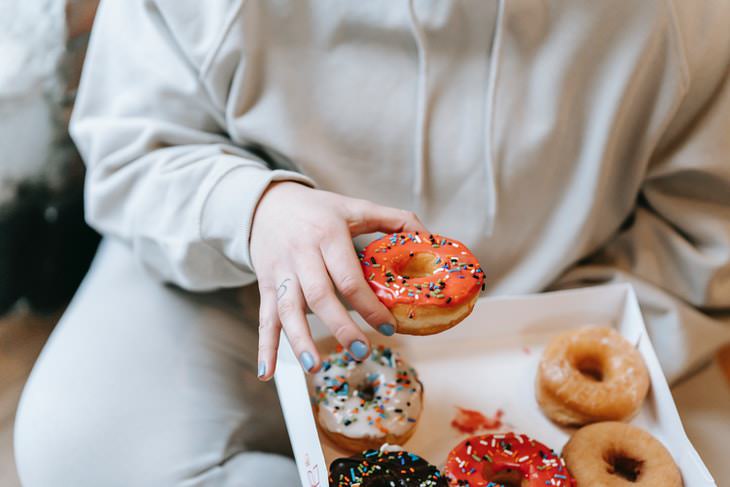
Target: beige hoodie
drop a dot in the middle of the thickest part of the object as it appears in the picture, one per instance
(565, 142)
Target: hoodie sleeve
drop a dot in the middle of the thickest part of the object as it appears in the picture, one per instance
(675, 249)
(162, 173)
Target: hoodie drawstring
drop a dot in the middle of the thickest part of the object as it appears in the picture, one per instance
(495, 52)
(422, 109)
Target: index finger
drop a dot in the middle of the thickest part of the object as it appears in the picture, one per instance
(344, 268)
(367, 217)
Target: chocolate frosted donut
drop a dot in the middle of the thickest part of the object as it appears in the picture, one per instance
(378, 468)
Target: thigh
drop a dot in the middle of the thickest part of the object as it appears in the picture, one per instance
(142, 384)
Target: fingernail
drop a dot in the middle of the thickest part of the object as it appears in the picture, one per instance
(262, 369)
(358, 349)
(386, 329)
(307, 361)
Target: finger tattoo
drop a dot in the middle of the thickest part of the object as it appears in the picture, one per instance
(281, 290)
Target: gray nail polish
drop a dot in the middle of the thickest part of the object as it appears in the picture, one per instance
(262, 369)
(386, 329)
(358, 349)
(307, 361)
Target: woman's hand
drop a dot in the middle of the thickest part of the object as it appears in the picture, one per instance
(302, 252)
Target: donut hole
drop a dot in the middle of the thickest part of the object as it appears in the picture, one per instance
(507, 477)
(624, 466)
(589, 367)
(366, 392)
(364, 384)
(422, 264)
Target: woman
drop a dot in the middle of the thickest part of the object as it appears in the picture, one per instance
(564, 143)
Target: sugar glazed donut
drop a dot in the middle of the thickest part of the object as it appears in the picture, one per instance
(362, 405)
(429, 283)
(380, 468)
(505, 459)
(612, 453)
(591, 374)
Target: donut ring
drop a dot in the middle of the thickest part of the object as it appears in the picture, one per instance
(376, 468)
(508, 459)
(428, 282)
(591, 374)
(613, 453)
(362, 405)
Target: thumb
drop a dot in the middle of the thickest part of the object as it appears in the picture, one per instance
(367, 217)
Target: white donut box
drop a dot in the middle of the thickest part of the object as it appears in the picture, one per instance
(488, 363)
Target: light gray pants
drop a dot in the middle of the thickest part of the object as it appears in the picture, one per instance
(144, 385)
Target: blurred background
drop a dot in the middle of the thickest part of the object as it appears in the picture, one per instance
(45, 246)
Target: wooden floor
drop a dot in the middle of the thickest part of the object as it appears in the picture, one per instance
(21, 338)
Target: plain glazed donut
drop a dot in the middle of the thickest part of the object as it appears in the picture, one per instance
(591, 374)
(362, 405)
(386, 467)
(618, 454)
(429, 283)
(505, 459)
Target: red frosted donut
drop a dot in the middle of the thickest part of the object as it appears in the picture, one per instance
(505, 459)
(429, 282)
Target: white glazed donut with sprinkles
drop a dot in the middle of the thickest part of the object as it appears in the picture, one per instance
(361, 405)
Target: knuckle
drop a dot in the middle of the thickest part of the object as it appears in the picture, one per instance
(317, 293)
(349, 285)
(373, 316)
(286, 307)
(266, 324)
(353, 204)
(356, 209)
(265, 350)
(266, 287)
(320, 230)
(341, 334)
(302, 245)
(298, 343)
(410, 215)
